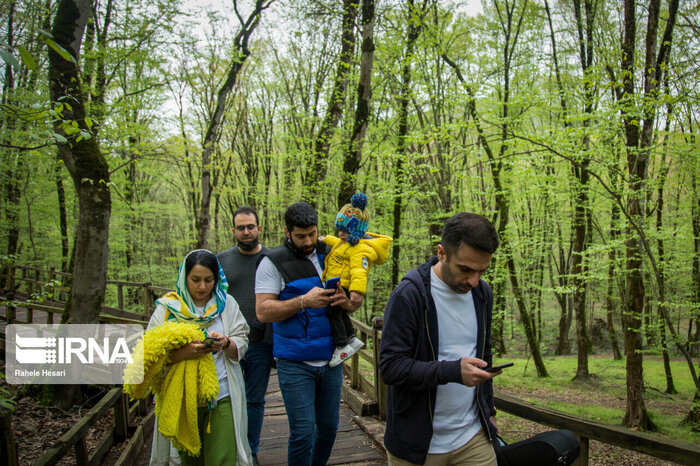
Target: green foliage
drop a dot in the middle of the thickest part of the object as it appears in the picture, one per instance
(7, 403)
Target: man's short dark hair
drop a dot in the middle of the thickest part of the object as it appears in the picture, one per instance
(246, 210)
(300, 214)
(472, 229)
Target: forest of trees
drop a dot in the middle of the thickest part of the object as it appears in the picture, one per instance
(132, 129)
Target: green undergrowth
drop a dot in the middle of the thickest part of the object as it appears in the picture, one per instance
(602, 397)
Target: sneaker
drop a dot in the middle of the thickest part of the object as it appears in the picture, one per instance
(341, 354)
(255, 460)
(356, 344)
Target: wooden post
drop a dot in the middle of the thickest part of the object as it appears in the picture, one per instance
(379, 386)
(30, 312)
(27, 284)
(582, 459)
(8, 448)
(355, 363)
(81, 454)
(52, 272)
(10, 309)
(121, 418)
(120, 296)
(146, 299)
(144, 405)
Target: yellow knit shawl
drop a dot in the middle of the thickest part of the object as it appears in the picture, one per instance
(188, 384)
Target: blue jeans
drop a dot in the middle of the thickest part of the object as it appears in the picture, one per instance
(312, 400)
(256, 367)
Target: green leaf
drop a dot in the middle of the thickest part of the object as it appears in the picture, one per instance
(60, 138)
(60, 50)
(27, 58)
(85, 135)
(88, 122)
(45, 33)
(8, 58)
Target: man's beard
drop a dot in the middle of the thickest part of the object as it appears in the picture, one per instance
(298, 251)
(248, 245)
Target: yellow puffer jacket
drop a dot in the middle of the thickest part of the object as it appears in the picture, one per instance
(352, 263)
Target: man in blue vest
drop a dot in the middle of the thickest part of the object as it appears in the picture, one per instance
(289, 292)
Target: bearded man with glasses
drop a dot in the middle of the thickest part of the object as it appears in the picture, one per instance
(239, 264)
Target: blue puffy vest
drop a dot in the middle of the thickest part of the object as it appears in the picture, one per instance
(305, 336)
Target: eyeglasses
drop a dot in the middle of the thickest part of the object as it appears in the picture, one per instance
(242, 228)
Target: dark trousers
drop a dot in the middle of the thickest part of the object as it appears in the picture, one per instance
(341, 326)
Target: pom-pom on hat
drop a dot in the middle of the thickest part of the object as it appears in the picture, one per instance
(353, 218)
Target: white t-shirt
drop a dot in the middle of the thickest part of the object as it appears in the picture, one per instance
(269, 280)
(456, 418)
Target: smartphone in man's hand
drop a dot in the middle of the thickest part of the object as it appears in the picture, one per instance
(499, 367)
(332, 283)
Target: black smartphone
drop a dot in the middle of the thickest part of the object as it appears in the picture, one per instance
(499, 367)
(332, 283)
(208, 341)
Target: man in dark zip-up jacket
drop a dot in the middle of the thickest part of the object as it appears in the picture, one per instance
(429, 368)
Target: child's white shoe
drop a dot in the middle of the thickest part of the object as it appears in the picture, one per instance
(356, 344)
(341, 354)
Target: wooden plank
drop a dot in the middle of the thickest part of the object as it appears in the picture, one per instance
(132, 449)
(352, 445)
(125, 283)
(113, 311)
(358, 401)
(42, 307)
(148, 423)
(102, 449)
(653, 445)
(8, 446)
(121, 418)
(81, 454)
(121, 320)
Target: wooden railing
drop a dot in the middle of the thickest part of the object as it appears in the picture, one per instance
(124, 415)
(373, 387)
(53, 286)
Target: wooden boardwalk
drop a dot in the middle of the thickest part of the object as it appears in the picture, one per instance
(352, 445)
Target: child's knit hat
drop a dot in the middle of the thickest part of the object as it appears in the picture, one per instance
(353, 218)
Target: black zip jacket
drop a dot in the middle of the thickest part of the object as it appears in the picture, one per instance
(409, 366)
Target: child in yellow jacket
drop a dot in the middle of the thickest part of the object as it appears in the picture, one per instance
(352, 254)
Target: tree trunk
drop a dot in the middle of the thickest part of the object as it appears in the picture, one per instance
(612, 260)
(63, 217)
(14, 161)
(638, 147)
(415, 25)
(130, 198)
(353, 151)
(240, 47)
(694, 338)
(670, 388)
(512, 32)
(336, 104)
(85, 163)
